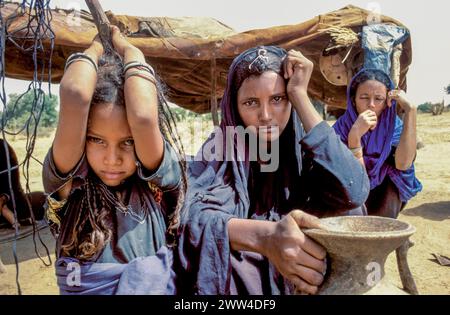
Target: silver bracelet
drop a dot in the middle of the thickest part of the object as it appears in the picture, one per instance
(142, 74)
(354, 150)
(140, 65)
(75, 60)
(80, 56)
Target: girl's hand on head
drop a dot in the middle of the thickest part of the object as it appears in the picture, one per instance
(402, 100)
(298, 258)
(298, 69)
(120, 43)
(96, 47)
(366, 121)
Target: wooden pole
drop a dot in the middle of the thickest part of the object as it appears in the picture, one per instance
(214, 113)
(395, 65)
(101, 21)
(2, 267)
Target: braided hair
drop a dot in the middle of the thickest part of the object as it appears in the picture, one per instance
(93, 225)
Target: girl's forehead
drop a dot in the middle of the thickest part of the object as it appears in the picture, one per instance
(107, 110)
(108, 118)
(371, 85)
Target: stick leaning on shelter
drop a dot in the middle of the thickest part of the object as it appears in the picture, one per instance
(101, 21)
(2, 266)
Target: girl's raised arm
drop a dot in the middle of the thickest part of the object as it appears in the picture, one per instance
(76, 90)
(141, 101)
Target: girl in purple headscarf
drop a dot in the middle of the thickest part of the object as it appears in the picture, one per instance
(384, 144)
(242, 233)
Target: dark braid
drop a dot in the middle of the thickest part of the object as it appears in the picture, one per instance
(93, 226)
(169, 131)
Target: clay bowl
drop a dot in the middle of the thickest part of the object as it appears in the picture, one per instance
(361, 233)
(358, 246)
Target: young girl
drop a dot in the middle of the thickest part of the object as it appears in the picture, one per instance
(384, 144)
(115, 182)
(242, 235)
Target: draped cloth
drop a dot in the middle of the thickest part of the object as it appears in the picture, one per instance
(143, 275)
(378, 143)
(318, 174)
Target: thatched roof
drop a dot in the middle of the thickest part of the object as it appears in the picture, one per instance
(185, 50)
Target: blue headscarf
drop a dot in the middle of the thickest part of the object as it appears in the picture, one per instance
(377, 144)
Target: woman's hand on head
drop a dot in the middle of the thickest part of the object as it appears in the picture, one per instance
(298, 70)
(120, 43)
(401, 98)
(298, 258)
(366, 121)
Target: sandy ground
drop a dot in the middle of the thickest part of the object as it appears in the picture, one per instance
(429, 212)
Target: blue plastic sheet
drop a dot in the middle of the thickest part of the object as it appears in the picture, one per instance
(378, 42)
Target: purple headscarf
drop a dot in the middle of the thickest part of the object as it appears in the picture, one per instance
(218, 189)
(377, 144)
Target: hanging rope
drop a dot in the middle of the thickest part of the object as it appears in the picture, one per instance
(30, 40)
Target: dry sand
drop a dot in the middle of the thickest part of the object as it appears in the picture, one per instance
(429, 212)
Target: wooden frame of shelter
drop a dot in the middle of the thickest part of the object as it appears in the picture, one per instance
(192, 55)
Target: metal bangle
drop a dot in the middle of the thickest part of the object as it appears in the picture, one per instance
(354, 150)
(357, 152)
(137, 64)
(75, 60)
(80, 56)
(143, 75)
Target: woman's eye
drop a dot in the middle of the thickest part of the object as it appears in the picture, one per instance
(250, 103)
(129, 142)
(94, 140)
(278, 99)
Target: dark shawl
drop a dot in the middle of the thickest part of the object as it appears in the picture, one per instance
(219, 190)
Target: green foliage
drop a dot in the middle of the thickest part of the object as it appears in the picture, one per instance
(24, 109)
(447, 89)
(185, 115)
(425, 107)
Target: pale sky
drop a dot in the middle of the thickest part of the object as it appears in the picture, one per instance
(428, 22)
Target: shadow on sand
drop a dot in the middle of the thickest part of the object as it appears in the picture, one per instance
(25, 246)
(437, 211)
